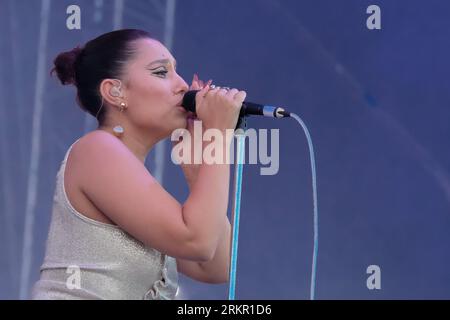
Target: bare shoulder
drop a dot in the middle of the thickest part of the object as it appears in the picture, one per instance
(96, 142)
(99, 150)
(91, 152)
(102, 158)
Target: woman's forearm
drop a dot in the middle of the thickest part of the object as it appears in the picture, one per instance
(217, 269)
(206, 207)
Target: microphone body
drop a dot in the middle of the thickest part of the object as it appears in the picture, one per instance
(247, 108)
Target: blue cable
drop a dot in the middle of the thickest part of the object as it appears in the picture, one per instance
(316, 214)
(237, 205)
(236, 213)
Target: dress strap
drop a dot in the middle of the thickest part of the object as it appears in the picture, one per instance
(68, 151)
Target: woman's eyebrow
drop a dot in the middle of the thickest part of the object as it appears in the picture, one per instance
(164, 61)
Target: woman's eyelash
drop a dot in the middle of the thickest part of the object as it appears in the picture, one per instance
(161, 72)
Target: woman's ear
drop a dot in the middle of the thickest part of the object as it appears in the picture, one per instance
(111, 91)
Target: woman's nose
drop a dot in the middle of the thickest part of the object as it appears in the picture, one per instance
(182, 85)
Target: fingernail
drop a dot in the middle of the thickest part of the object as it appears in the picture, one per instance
(195, 77)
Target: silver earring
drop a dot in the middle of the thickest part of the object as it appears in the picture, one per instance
(118, 129)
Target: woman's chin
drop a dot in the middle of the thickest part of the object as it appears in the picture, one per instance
(179, 123)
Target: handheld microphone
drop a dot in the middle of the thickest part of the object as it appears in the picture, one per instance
(247, 108)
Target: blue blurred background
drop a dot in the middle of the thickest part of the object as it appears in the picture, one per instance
(376, 103)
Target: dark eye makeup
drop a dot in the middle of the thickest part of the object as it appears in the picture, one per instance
(159, 71)
(162, 72)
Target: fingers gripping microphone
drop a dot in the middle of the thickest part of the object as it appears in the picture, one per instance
(247, 109)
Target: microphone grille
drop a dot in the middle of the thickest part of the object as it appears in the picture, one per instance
(189, 100)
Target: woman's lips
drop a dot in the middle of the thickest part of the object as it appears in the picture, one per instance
(181, 108)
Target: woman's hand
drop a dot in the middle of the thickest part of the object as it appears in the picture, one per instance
(219, 108)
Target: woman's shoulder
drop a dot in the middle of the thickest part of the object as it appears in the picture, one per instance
(81, 168)
(95, 151)
(97, 137)
(97, 143)
(100, 154)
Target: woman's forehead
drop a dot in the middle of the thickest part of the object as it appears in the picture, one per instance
(150, 50)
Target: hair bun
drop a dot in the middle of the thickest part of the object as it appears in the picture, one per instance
(65, 65)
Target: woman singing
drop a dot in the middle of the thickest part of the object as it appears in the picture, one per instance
(115, 232)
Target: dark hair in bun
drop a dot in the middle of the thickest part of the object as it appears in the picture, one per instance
(101, 58)
(65, 65)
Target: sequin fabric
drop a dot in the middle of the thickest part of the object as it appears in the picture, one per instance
(88, 259)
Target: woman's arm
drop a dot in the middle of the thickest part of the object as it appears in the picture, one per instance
(212, 180)
(217, 269)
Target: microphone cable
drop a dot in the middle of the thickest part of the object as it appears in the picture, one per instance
(316, 211)
(276, 112)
